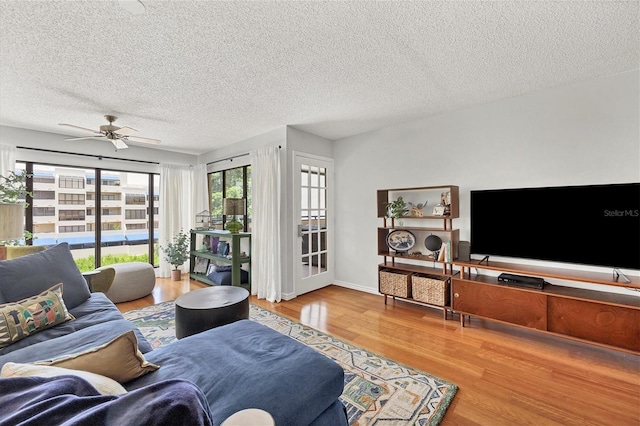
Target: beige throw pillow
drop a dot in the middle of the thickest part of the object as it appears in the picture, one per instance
(119, 359)
(104, 385)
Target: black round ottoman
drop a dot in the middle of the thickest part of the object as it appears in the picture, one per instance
(203, 309)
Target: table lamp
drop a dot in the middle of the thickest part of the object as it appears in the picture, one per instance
(11, 224)
(233, 207)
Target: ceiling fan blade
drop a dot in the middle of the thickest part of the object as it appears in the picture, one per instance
(119, 143)
(78, 127)
(125, 131)
(86, 137)
(142, 140)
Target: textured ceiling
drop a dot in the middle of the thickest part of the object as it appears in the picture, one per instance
(200, 75)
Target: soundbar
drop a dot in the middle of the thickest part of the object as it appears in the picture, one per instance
(522, 281)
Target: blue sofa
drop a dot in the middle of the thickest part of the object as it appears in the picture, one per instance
(234, 367)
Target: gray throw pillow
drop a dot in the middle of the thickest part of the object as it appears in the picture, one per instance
(29, 275)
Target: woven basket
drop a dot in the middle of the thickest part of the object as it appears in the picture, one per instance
(395, 283)
(430, 290)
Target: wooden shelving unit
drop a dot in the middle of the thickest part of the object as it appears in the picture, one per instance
(418, 262)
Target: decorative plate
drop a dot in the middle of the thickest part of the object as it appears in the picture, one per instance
(401, 240)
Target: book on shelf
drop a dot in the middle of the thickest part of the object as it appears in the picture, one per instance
(445, 252)
(201, 265)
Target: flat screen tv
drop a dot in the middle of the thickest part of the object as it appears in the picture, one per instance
(589, 225)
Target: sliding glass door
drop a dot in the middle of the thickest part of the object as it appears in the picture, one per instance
(106, 216)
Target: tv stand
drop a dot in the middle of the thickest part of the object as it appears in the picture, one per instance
(602, 318)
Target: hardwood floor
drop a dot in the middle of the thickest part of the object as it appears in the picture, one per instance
(505, 375)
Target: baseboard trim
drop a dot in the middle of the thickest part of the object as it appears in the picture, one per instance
(288, 296)
(356, 287)
(291, 296)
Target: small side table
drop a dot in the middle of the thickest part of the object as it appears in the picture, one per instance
(206, 308)
(99, 280)
(89, 276)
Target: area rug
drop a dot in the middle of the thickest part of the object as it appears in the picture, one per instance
(377, 390)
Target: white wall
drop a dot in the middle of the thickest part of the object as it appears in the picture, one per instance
(587, 133)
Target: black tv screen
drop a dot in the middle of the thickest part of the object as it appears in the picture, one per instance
(590, 225)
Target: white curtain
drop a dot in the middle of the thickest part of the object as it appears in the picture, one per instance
(7, 159)
(266, 274)
(200, 191)
(175, 208)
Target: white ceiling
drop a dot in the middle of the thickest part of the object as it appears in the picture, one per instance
(200, 75)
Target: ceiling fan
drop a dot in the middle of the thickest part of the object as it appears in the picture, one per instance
(117, 135)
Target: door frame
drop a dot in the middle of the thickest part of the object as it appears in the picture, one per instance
(328, 277)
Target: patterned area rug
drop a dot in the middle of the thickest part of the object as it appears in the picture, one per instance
(377, 390)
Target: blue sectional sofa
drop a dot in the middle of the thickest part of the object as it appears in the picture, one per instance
(227, 369)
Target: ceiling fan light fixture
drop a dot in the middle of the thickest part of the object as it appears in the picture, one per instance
(118, 136)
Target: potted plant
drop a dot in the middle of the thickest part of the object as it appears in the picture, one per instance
(13, 188)
(397, 209)
(176, 253)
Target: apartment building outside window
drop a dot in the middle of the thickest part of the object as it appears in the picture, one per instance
(68, 206)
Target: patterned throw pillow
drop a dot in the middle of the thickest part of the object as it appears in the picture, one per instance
(28, 316)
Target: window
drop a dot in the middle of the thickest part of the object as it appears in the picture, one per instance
(111, 212)
(136, 199)
(71, 215)
(44, 211)
(110, 180)
(43, 195)
(74, 228)
(110, 197)
(135, 214)
(71, 182)
(231, 183)
(136, 226)
(44, 179)
(71, 199)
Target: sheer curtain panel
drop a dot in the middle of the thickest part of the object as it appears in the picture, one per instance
(7, 159)
(200, 190)
(175, 208)
(266, 274)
